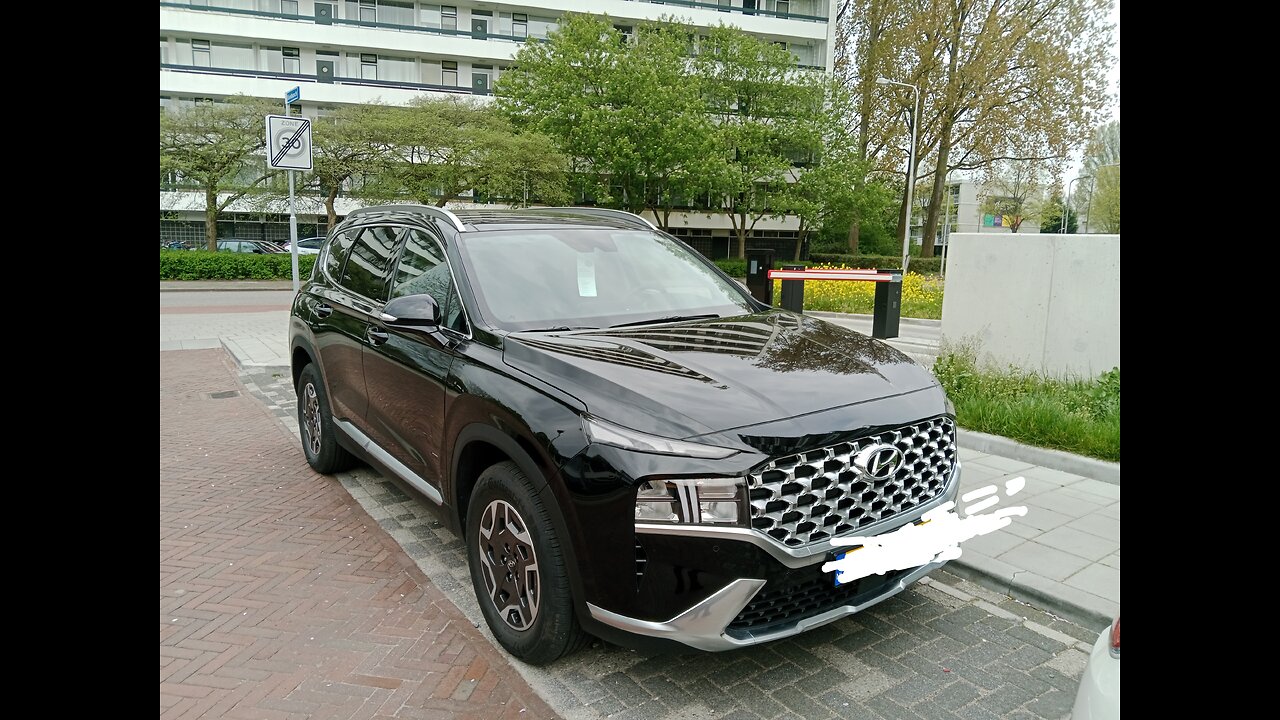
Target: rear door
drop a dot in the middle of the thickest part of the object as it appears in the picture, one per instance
(343, 308)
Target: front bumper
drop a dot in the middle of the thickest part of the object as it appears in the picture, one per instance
(705, 626)
(790, 597)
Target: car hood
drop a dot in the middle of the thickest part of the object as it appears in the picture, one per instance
(693, 378)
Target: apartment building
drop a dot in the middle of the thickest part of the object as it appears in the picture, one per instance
(394, 50)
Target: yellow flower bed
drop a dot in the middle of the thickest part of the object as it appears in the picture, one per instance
(921, 295)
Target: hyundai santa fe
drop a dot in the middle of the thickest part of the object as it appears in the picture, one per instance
(628, 443)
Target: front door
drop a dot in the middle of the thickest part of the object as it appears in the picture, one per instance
(480, 83)
(479, 28)
(406, 374)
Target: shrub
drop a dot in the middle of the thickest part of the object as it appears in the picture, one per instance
(204, 265)
(920, 265)
(1076, 415)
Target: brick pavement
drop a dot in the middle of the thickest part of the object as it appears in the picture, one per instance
(280, 597)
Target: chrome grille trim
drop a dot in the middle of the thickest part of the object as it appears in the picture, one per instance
(805, 498)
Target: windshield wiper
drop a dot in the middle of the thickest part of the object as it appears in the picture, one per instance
(668, 318)
(560, 328)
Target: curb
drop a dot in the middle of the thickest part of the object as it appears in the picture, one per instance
(1101, 470)
(904, 321)
(1050, 601)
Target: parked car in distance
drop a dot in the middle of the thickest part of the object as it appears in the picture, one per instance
(628, 443)
(307, 246)
(1098, 697)
(261, 247)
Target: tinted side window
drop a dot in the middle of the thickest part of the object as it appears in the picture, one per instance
(366, 271)
(423, 269)
(336, 254)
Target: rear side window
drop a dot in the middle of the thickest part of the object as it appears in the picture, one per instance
(366, 270)
(337, 254)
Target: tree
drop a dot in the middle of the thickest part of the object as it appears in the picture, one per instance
(218, 147)
(1051, 221)
(1015, 189)
(998, 80)
(628, 113)
(444, 148)
(765, 114)
(1102, 161)
(350, 144)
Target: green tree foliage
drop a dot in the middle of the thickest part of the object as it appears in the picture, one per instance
(669, 118)
(1102, 161)
(444, 148)
(998, 80)
(1051, 216)
(218, 148)
(766, 115)
(348, 146)
(626, 114)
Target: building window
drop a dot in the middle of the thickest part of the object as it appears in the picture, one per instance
(725, 5)
(368, 66)
(368, 11)
(289, 7)
(783, 7)
(292, 61)
(448, 17)
(164, 51)
(449, 73)
(200, 53)
(520, 25)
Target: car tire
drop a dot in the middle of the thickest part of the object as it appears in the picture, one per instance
(315, 426)
(518, 568)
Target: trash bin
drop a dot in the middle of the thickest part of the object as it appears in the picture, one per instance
(888, 307)
(759, 263)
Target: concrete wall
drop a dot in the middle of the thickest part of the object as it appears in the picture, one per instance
(1049, 303)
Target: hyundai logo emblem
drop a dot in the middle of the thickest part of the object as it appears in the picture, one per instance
(879, 462)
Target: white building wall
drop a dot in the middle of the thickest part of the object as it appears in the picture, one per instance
(1046, 303)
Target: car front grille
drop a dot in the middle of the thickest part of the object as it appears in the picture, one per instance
(818, 495)
(785, 603)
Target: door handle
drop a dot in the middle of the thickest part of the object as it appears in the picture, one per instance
(323, 311)
(375, 336)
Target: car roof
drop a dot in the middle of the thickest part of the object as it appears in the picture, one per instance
(528, 219)
(488, 219)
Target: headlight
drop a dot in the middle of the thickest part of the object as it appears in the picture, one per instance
(705, 501)
(605, 433)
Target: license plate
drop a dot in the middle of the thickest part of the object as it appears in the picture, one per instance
(838, 574)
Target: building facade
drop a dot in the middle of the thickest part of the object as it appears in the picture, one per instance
(393, 51)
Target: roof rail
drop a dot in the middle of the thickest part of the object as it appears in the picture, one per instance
(428, 209)
(631, 218)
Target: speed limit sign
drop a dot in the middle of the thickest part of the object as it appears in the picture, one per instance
(288, 142)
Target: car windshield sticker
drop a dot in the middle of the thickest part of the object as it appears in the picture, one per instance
(586, 275)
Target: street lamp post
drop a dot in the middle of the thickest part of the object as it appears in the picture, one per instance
(1089, 208)
(1066, 209)
(911, 166)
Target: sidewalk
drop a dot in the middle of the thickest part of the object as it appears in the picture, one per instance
(1063, 556)
(280, 596)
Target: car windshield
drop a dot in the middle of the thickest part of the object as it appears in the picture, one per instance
(588, 277)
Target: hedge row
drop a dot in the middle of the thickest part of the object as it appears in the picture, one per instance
(920, 265)
(204, 265)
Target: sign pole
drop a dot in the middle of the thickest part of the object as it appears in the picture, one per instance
(293, 211)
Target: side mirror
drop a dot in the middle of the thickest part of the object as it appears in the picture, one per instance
(419, 311)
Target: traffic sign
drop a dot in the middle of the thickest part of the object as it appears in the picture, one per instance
(288, 142)
(293, 95)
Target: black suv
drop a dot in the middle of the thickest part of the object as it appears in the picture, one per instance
(628, 443)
